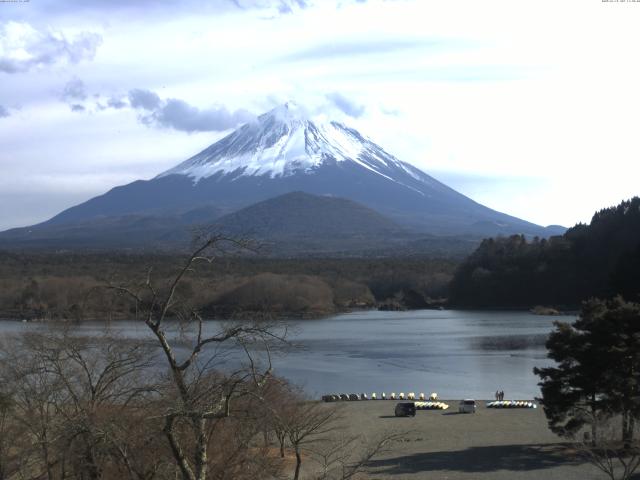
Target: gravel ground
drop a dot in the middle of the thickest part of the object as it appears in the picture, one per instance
(490, 444)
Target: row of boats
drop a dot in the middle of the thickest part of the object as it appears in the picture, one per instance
(336, 397)
(511, 404)
(431, 406)
(422, 403)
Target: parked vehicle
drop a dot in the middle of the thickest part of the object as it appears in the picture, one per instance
(467, 406)
(405, 409)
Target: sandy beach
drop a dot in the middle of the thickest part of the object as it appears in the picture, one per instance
(495, 444)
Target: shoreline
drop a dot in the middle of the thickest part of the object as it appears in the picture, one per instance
(303, 316)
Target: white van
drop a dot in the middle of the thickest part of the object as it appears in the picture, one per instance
(467, 406)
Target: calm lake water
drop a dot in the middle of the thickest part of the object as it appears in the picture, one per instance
(455, 353)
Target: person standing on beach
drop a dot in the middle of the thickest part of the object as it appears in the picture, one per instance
(497, 395)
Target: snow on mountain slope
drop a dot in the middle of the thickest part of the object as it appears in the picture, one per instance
(284, 151)
(285, 142)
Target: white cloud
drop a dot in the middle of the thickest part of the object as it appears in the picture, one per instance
(501, 90)
(346, 105)
(179, 115)
(145, 99)
(74, 89)
(23, 48)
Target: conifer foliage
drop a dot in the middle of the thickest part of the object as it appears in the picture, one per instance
(601, 259)
(597, 372)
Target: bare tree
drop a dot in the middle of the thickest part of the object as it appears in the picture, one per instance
(9, 433)
(36, 399)
(139, 452)
(615, 458)
(71, 395)
(317, 431)
(198, 397)
(307, 424)
(278, 400)
(102, 378)
(95, 408)
(338, 461)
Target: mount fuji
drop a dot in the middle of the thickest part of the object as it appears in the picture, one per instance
(280, 152)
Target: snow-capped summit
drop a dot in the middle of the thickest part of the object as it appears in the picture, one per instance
(286, 150)
(285, 141)
(290, 112)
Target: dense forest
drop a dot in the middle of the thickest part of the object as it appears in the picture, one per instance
(67, 285)
(601, 259)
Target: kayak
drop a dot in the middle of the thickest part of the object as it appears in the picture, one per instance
(431, 406)
(511, 404)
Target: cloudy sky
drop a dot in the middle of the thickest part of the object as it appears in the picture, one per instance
(530, 107)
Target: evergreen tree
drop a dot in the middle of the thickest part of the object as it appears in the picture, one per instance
(573, 392)
(619, 323)
(601, 259)
(597, 371)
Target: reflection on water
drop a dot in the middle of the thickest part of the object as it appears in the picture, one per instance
(455, 353)
(511, 342)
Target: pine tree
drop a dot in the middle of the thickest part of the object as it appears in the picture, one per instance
(598, 369)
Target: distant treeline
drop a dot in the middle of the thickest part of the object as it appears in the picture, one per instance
(601, 259)
(66, 285)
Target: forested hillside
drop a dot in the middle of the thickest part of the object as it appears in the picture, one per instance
(600, 259)
(64, 285)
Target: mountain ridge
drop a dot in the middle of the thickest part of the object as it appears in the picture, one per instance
(302, 214)
(285, 151)
(291, 225)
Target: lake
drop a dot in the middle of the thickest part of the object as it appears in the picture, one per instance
(455, 353)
